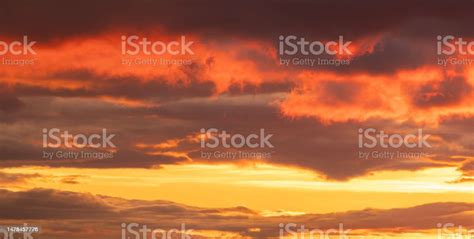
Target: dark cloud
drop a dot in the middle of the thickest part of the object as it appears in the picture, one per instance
(73, 179)
(16, 150)
(447, 91)
(394, 52)
(453, 129)
(55, 19)
(9, 102)
(262, 88)
(51, 204)
(331, 150)
(468, 168)
(130, 87)
(335, 93)
(16, 178)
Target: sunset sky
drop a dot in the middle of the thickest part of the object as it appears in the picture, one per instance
(79, 78)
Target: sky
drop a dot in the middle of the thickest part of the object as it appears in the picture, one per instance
(243, 119)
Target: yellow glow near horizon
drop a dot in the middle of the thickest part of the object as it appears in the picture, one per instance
(269, 188)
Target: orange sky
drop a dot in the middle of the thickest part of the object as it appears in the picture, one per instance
(160, 173)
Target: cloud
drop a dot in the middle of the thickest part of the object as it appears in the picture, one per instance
(50, 204)
(16, 178)
(235, 81)
(217, 18)
(44, 206)
(406, 96)
(328, 149)
(444, 92)
(9, 102)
